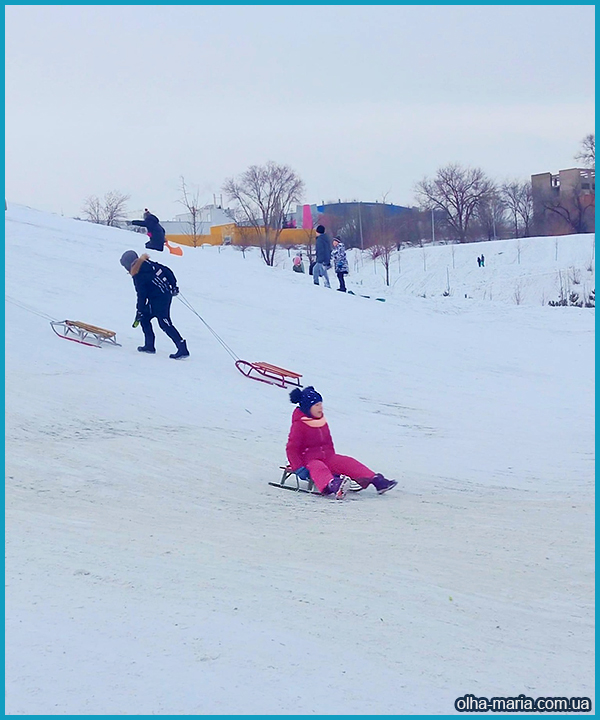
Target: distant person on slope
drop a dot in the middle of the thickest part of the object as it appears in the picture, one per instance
(323, 256)
(340, 262)
(311, 454)
(156, 231)
(155, 286)
(297, 264)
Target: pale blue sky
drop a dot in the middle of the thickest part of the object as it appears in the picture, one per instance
(361, 101)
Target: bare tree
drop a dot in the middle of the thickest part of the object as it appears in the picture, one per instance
(457, 191)
(111, 211)
(92, 210)
(518, 199)
(243, 240)
(407, 227)
(587, 152)
(573, 209)
(310, 244)
(265, 194)
(115, 208)
(374, 252)
(384, 237)
(386, 247)
(190, 199)
(491, 212)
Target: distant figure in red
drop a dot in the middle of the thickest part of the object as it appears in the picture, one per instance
(311, 454)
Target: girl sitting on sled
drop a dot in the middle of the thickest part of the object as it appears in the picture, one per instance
(311, 454)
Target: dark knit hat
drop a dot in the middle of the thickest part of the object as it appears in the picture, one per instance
(128, 258)
(320, 229)
(305, 398)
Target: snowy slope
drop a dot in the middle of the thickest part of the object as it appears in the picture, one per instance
(528, 271)
(150, 568)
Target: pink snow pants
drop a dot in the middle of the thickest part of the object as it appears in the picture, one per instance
(322, 471)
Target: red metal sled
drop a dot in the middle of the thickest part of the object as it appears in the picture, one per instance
(267, 373)
(83, 333)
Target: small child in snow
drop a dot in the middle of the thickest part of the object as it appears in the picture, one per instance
(297, 265)
(311, 454)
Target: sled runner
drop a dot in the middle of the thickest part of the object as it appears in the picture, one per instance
(310, 486)
(287, 474)
(351, 292)
(84, 333)
(267, 373)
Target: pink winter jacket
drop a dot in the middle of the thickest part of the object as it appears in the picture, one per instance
(309, 439)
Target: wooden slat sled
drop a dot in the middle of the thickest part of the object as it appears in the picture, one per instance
(267, 373)
(84, 333)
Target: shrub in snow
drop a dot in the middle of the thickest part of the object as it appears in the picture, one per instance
(591, 300)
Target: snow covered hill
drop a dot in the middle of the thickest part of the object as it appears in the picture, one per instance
(151, 569)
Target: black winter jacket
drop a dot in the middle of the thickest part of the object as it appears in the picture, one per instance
(155, 229)
(323, 249)
(151, 295)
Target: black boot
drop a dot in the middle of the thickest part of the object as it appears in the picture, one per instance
(146, 349)
(182, 351)
(151, 246)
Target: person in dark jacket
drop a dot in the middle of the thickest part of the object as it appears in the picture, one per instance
(311, 454)
(154, 295)
(156, 231)
(323, 256)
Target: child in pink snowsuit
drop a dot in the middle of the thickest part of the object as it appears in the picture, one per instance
(311, 453)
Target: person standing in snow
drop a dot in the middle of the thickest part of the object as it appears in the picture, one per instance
(323, 256)
(311, 454)
(155, 286)
(340, 262)
(482, 260)
(156, 231)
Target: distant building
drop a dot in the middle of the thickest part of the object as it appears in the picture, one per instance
(206, 217)
(388, 209)
(216, 225)
(564, 203)
(357, 223)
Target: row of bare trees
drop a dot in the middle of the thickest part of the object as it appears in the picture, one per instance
(471, 206)
(110, 210)
(459, 204)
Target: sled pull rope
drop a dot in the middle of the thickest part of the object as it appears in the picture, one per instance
(29, 309)
(188, 305)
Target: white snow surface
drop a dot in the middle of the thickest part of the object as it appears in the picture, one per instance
(150, 568)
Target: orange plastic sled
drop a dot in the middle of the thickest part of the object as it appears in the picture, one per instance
(174, 249)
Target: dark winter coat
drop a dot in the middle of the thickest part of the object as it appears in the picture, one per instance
(153, 293)
(323, 249)
(309, 439)
(156, 231)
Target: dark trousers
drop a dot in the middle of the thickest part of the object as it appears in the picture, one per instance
(160, 310)
(340, 277)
